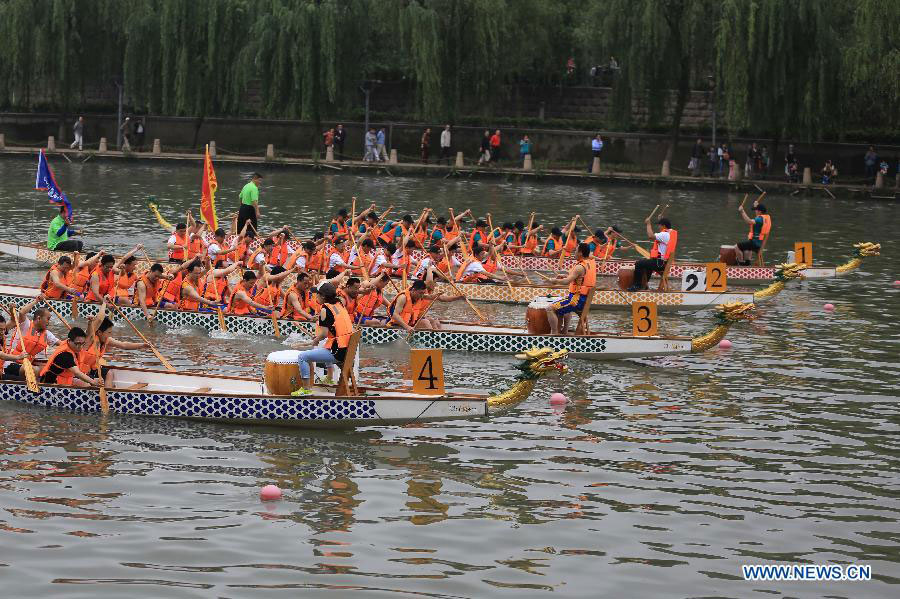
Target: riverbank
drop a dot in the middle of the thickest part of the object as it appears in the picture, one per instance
(414, 169)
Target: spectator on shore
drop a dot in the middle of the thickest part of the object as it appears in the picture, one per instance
(328, 139)
(495, 146)
(381, 145)
(724, 157)
(425, 144)
(484, 156)
(524, 147)
(829, 172)
(596, 148)
(340, 136)
(883, 167)
(125, 130)
(445, 145)
(697, 153)
(791, 167)
(371, 141)
(78, 130)
(139, 131)
(871, 159)
(713, 158)
(750, 165)
(764, 160)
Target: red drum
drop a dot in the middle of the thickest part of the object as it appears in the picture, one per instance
(728, 255)
(536, 315)
(626, 277)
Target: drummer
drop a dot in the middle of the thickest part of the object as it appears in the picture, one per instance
(334, 327)
(581, 279)
(760, 225)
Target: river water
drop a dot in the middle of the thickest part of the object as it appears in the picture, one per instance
(659, 478)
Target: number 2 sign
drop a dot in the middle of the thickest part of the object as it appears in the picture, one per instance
(716, 279)
(427, 366)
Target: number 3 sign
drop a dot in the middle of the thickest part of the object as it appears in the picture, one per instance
(427, 366)
(644, 322)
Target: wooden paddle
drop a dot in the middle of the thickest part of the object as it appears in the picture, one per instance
(221, 316)
(58, 315)
(636, 247)
(75, 260)
(455, 288)
(663, 211)
(147, 341)
(275, 329)
(654, 212)
(527, 235)
(562, 254)
(744, 201)
(30, 379)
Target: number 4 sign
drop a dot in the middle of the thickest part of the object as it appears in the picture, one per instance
(427, 366)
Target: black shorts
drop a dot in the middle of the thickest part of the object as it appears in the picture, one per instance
(749, 245)
(12, 371)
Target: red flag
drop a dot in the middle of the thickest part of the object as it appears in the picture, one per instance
(209, 185)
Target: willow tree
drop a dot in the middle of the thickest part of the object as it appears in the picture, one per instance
(871, 63)
(662, 47)
(778, 65)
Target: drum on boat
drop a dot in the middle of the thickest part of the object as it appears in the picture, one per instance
(282, 373)
(728, 255)
(626, 277)
(536, 315)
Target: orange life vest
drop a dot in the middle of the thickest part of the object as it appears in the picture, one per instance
(474, 277)
(173, 288)
(124, 283)
(368, 303)
(47, 286)
(349, 302)
(152, 292)
(766, 227)
(588, 281)
(340, 229)
(217, 291)
(571, 245)
(66, 377)
(89, 357)
(292, 261)
(185, 302)
(490, 265)
(314, 262)
(670, 247)
(288, 310)
(81, 278)
(342, 329)
(510, 240)
(481, 234)
(106, 283)
(556, 243)
(530, 244)
(411, 310)
(270, 295)
(239, 306)
(239, 254)
(34, 344)
(178, 252)
(279, 254)
(195, 247)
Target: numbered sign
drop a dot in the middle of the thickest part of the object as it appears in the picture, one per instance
(693, 280)
(644, 321)
(716, 277)
(803, 252)
(427, 366)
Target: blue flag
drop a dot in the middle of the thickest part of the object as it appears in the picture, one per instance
(46, 182)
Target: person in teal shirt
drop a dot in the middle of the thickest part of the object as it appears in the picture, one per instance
(250, 203)
(59, 232)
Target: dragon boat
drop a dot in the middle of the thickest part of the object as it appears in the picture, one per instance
(246, 401)
(603, 298)
(456, 336)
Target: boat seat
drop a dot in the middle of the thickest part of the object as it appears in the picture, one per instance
(583, 326)
(136, 386)
(664, 277)
(202, 390)
(762, 248)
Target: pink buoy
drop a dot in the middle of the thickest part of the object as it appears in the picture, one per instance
(897, 283)
(270, 493)
(724, 344)
(828, 307)
(558, 398)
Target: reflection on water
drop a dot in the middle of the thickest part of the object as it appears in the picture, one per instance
(658, 478)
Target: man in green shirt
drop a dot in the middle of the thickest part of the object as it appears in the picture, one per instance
(58, 234)
(250, 203)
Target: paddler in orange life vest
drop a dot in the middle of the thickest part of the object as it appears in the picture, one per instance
(360, 224)
(122, 292)
(479, 268)
(7, 351)
(105, 279)
(37, 338)
(664, 242)
(581, 279)
(603, 243)
(192, 287)
(148, 289)
(760, 225)
(478, 236)
(334, 327)
(408, 308)
(56, 282)
(97, 340)
(178, 243)
(62, 366)
(298, 304)
(214, 284)
(553, 246)
(369, 299)
(338, 228)
(241, 301)
(527, 242)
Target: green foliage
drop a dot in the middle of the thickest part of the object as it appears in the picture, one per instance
(816, 68)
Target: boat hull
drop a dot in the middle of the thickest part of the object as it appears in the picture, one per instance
(457, 336)
(243, 408)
